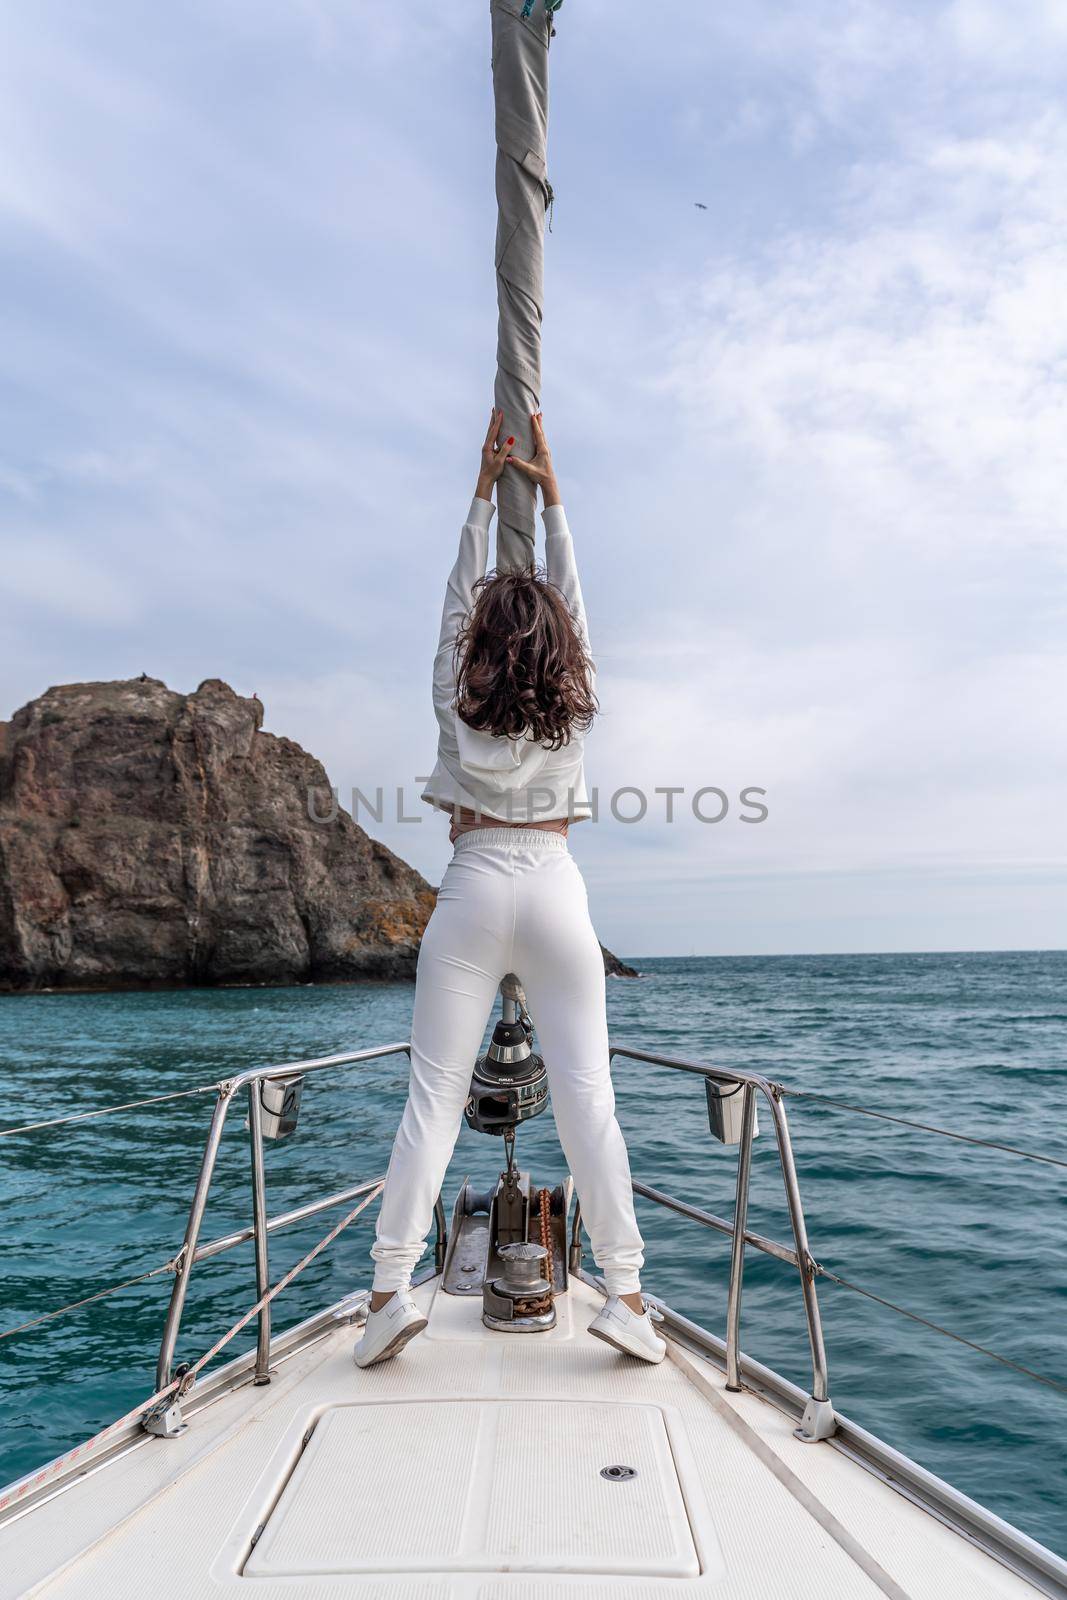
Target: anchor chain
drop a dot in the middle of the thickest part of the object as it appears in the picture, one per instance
(544, 1206)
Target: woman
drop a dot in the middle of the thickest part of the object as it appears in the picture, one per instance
(513, 691)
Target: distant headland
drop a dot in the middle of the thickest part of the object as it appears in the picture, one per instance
(150, 839)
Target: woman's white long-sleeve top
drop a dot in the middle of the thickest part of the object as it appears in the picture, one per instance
(511, 780)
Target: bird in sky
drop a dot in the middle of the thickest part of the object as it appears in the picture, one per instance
(700, 205)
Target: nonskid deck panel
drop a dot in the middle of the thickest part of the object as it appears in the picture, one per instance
(177, 1517)
(536, 1485)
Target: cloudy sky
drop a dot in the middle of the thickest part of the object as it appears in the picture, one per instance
(812, 438)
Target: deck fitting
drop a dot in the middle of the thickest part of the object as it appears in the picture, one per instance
(818, 1422)
(165, 1420)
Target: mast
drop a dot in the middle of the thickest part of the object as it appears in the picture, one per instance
(522, 30)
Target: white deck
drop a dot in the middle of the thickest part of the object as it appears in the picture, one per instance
(469, 1469)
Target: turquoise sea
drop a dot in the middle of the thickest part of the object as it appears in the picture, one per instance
(970, 1238)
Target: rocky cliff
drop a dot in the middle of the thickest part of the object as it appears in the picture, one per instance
(153, 838)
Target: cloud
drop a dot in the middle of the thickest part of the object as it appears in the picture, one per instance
(812, 438)
(864, 488)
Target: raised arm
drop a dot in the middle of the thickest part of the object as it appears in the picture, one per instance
(469, 566)
(561, 566)
(560, 563)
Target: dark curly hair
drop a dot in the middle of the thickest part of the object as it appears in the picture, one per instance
(521, 667)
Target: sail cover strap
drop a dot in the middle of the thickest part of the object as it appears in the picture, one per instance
(521, 33)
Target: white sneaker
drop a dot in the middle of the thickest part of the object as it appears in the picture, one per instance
(387, 1331)
(633, 1334)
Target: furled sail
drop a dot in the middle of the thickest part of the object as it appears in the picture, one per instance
(521, 33)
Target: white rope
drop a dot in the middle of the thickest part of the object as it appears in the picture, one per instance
(180, 1386)
(187, 1380)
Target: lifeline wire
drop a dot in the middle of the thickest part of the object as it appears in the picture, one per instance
(177, 1386)
(927, 1127)
(106, 1111)
(1027, 1372)
(101, 1294)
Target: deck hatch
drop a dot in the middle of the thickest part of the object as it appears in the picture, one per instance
(480, 1486)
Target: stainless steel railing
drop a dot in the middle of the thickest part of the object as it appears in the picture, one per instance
(818, 1419)
(1013, 1548)
(261, 1227)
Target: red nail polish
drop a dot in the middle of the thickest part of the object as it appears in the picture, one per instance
(512, 439)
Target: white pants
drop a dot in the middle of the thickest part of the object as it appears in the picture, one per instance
(512, 900)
